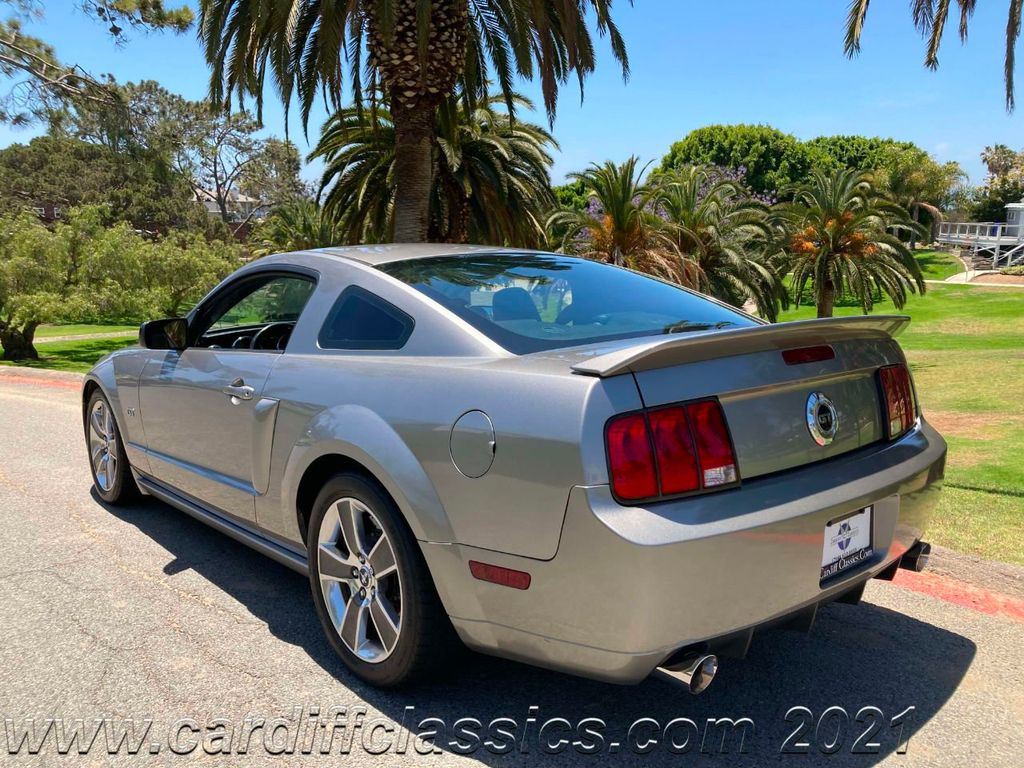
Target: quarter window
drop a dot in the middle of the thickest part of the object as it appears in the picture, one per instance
(361, 320)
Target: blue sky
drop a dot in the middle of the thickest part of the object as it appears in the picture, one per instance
(693, 64)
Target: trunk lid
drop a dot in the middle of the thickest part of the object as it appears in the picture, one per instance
(766, 399)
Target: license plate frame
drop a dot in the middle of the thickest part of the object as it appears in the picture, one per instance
(848, 542)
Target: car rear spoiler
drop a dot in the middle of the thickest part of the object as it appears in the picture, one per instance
(675, 350)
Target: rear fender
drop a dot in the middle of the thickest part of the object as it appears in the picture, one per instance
(360, 434)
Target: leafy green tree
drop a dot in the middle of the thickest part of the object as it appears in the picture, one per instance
(138, 118)
(65, 172)
(83, 270)
(842, 243)
(859, 153)
(930, 17)
(572, 194)
(296, 226)
(181, 268)
(990, 200)
(725, 237)
(40, 82)
(491, 182)
(218, 155)
(772, 159)
(46, 275)
(619, 224)
(415, 51)
(31, 285)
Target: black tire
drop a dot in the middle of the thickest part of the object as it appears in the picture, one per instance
(426, 638)
(119, 488)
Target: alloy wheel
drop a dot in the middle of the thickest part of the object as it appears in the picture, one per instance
(360, 579)
(103, 445)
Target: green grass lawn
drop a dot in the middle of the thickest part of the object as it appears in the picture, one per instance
(938, 265)
(966, 348)
(44, 332)
(77, 356)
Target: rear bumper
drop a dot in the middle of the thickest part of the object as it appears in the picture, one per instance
(630, 586)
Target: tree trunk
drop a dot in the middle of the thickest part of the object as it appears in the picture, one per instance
(414, 137)
(17, 343)
(826, 299)
(915, 214)
(418, 68)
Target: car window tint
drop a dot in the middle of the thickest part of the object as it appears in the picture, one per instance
(529, 302)
(361, 320)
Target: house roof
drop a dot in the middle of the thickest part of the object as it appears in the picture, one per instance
(205, 195)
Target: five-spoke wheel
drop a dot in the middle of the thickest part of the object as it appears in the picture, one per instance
(372, 590)
(111, 474)
(359, 576)
(102, 444)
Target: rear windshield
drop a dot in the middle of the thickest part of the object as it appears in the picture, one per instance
(534, 302)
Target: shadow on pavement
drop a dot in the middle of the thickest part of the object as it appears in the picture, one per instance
(855, 657)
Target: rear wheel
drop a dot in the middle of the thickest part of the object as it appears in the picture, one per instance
(111, 474)
(372, 590)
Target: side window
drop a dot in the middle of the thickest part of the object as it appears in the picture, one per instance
(361, 320)
(280, 300)
(258, 313)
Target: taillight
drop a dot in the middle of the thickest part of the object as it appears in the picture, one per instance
(714, 448)
(673, 445)
(899, 405)
(630, 458)
(670, 451)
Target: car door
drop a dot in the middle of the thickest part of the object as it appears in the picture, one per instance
(207, 426)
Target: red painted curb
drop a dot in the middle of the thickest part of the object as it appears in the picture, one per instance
(41, 382)
(961, 593)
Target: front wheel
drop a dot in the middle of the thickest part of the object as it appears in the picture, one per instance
(111, 475)
(372, 590)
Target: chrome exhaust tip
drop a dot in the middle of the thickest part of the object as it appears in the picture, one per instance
(699, 673)
(916, 558)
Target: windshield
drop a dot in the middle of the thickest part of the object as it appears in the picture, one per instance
(530, 302)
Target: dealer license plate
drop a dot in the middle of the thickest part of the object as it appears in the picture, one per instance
(847, 543)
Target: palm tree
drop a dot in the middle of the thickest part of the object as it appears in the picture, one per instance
(726, 235)
(930, 18)
(841, 242)
(295, 226)
(491, 182)
(415, 51)
(619, 224)
(918, 183)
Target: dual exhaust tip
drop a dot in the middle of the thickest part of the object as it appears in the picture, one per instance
(696, 672)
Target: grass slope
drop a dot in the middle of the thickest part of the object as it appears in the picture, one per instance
(77, 356)
(44, 332)
(938, 265)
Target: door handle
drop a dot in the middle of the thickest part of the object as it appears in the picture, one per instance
(239, 390)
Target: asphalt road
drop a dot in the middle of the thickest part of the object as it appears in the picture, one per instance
(144, 613)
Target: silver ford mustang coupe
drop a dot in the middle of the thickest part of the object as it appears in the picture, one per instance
(541, 457)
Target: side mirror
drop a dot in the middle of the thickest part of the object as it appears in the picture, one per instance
(171, 333)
